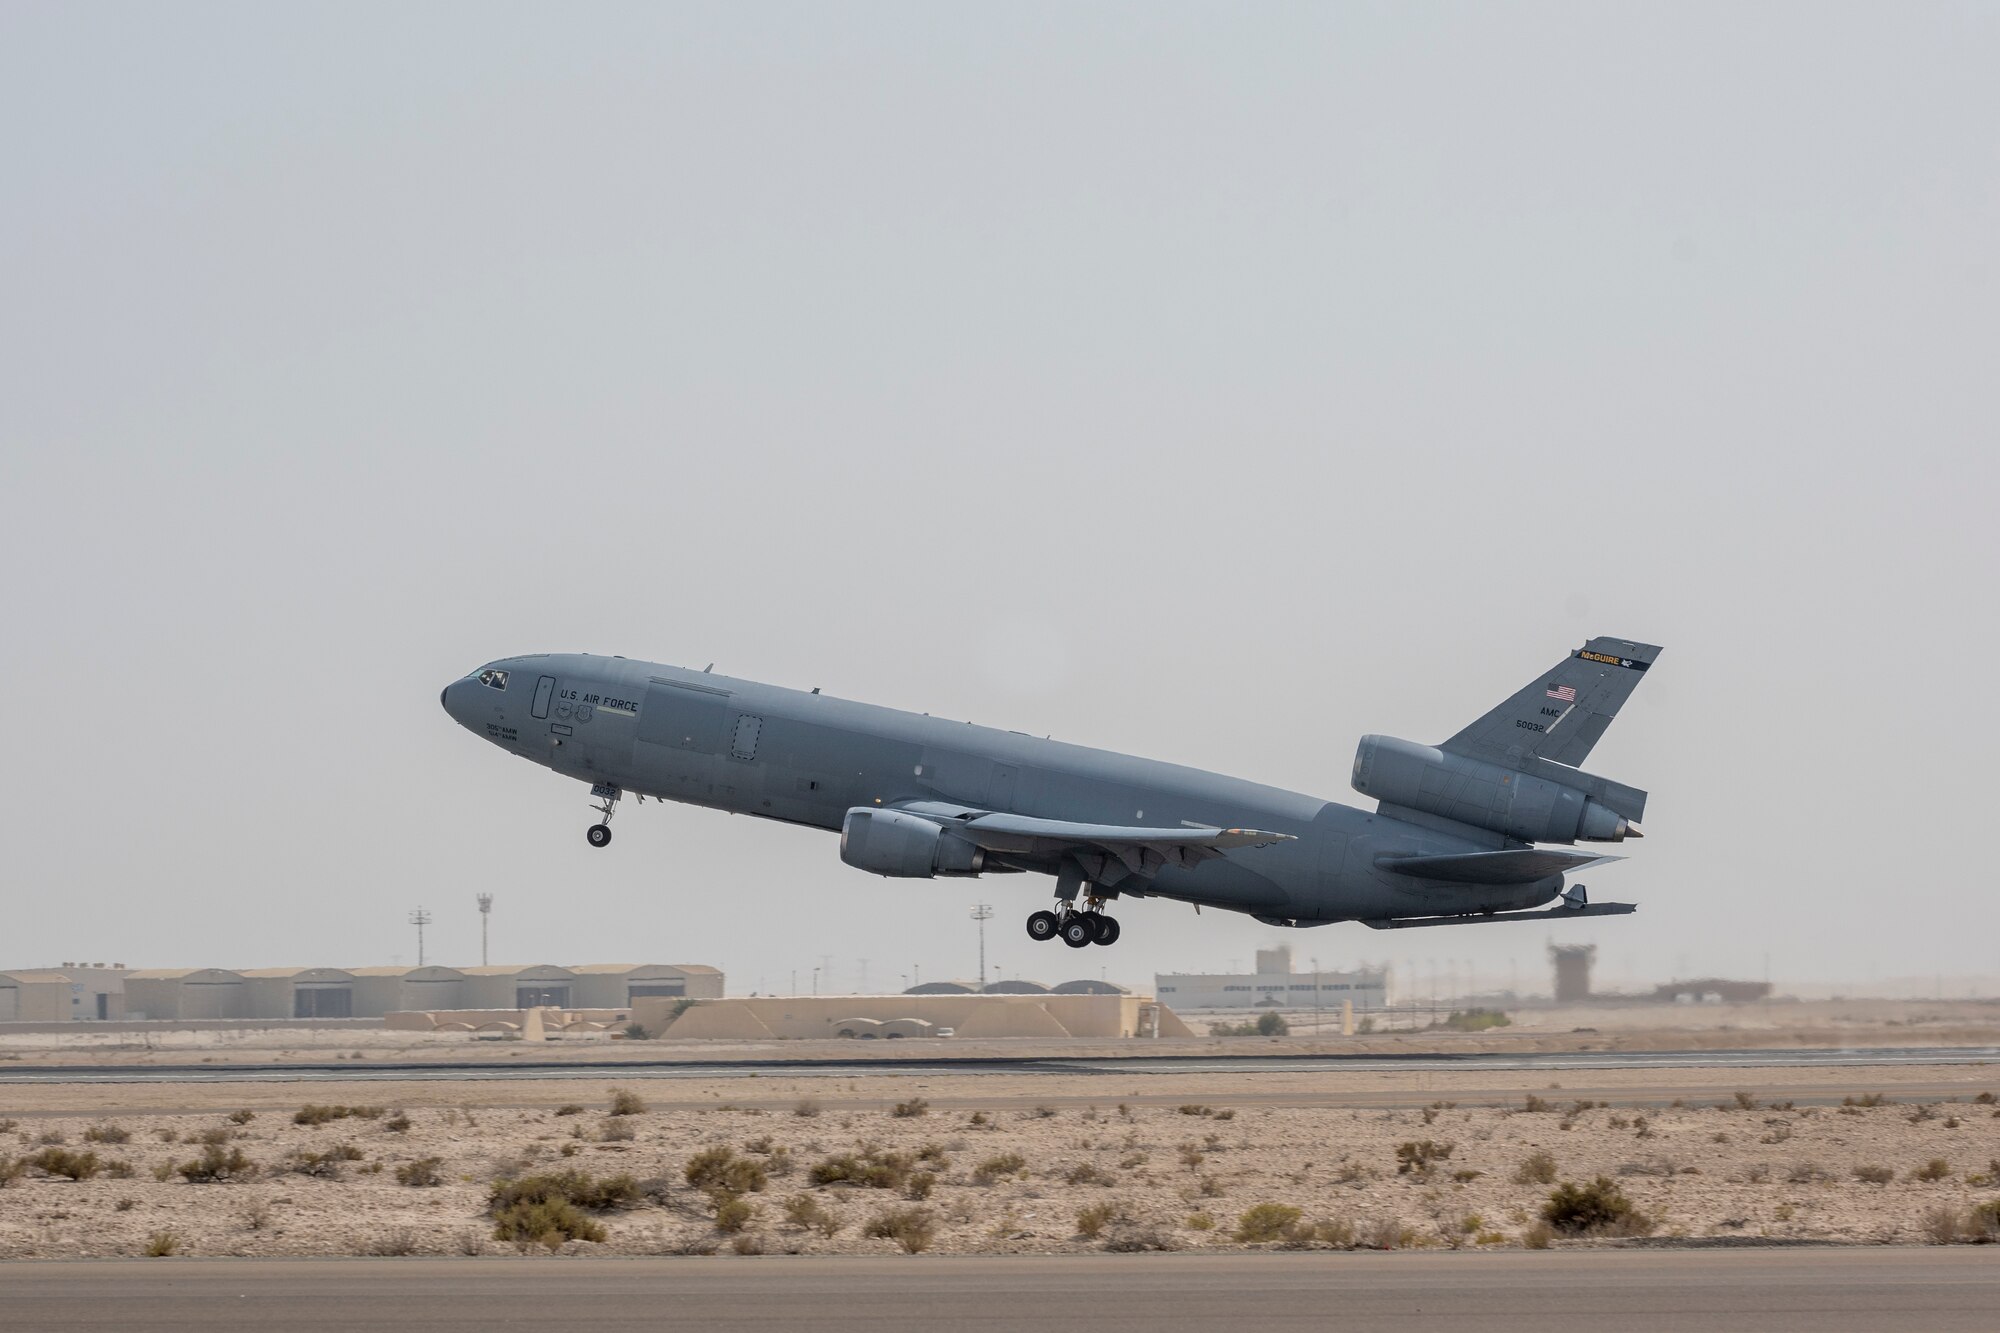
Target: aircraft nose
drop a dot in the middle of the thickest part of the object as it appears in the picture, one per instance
(452, 698)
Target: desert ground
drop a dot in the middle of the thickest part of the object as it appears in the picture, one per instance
(1000, 1163)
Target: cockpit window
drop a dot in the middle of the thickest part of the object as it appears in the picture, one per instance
(493, 680)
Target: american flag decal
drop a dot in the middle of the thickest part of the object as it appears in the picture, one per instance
(1566, 693)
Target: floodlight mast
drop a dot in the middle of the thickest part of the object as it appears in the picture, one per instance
(420, 918)
(982, 913)
(485, 915)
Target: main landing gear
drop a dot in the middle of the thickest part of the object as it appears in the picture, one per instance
(607, 803)
(1074, 928)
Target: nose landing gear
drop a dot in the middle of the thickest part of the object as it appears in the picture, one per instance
(607, 795)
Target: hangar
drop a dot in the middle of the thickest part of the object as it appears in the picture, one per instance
(300, 992)
(34, 995)
(616, 985)
(186, 992)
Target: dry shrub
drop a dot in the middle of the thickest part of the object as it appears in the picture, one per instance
(548, 1222)
(313, 1114)
(1386, 1233)
(218, 1165)
(1127, 1237)
(911, 1109)
(322, 1165)
(63, 1162)
(1088, 1173)
(1596, 1208)
(617, 1130)
(1935, 1169)
(1874, 1175)
(1091, 1221)
(11, 1170)
(911, 1228)
(106, 1134)
(920, 1185)
(1333, 1235)
(1941, 1225)
(242, 1117)
(547, 1209)
(569, 1108)
(626, 1102)
(161, 1244)
(1420, 1158)
(733, 1214)
(398, 1123)
(718, 1170)
(578, 1188)
(1006, 1165)
(1537, 1236)
(806, 1108)
(870, 1167)
(421, 1173)
(1265, 1222)
(806, 1212)
(1537, 1168)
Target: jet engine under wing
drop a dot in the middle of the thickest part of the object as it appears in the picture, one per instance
(1521, 865)
(1139, 849)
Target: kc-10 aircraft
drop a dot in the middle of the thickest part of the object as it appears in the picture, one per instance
(1451, 839)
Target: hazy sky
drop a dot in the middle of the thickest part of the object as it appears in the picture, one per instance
(1216, 383)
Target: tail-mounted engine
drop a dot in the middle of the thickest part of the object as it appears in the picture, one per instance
(890, 842)
(1541, 802)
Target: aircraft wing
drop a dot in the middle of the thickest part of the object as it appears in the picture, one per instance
(1522, 865)
(1139, 849)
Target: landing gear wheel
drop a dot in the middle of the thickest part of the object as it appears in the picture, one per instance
(1042, 926)
(1107, 928)
(1077, 932)
(599, 835)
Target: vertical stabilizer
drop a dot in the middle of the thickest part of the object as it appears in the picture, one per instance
(1560, 715)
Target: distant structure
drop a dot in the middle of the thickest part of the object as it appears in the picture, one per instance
(1572, 964)
(1273, 985)
(1712, 990)
(485, 915)
(1003, 987)
(74, 991)
(195, 994)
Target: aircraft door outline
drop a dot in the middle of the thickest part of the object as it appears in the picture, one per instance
(544, 688)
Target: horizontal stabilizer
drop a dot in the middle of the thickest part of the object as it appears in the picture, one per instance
(1522, 865)
(1540, 914)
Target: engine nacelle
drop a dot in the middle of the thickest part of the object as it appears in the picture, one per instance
(889, 842)
(1485, 795)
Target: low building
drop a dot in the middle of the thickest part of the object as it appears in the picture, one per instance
(72, 992)
(614, 985)
(1712, 990)
(301, 992)
(186, 993)
(893, 1016)
(1273, 985)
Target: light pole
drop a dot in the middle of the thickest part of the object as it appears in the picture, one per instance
(485, 915)
(815, 981)
(982, 913)
(420, 918)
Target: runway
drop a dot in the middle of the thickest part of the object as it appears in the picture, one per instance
(510, 1070)
(1831, 1290)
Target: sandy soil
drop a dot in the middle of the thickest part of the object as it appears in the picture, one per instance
(1699, 1170)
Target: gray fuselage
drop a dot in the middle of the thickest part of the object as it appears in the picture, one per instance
(808, 758)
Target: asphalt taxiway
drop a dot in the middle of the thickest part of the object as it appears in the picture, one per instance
(1822, 1290)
